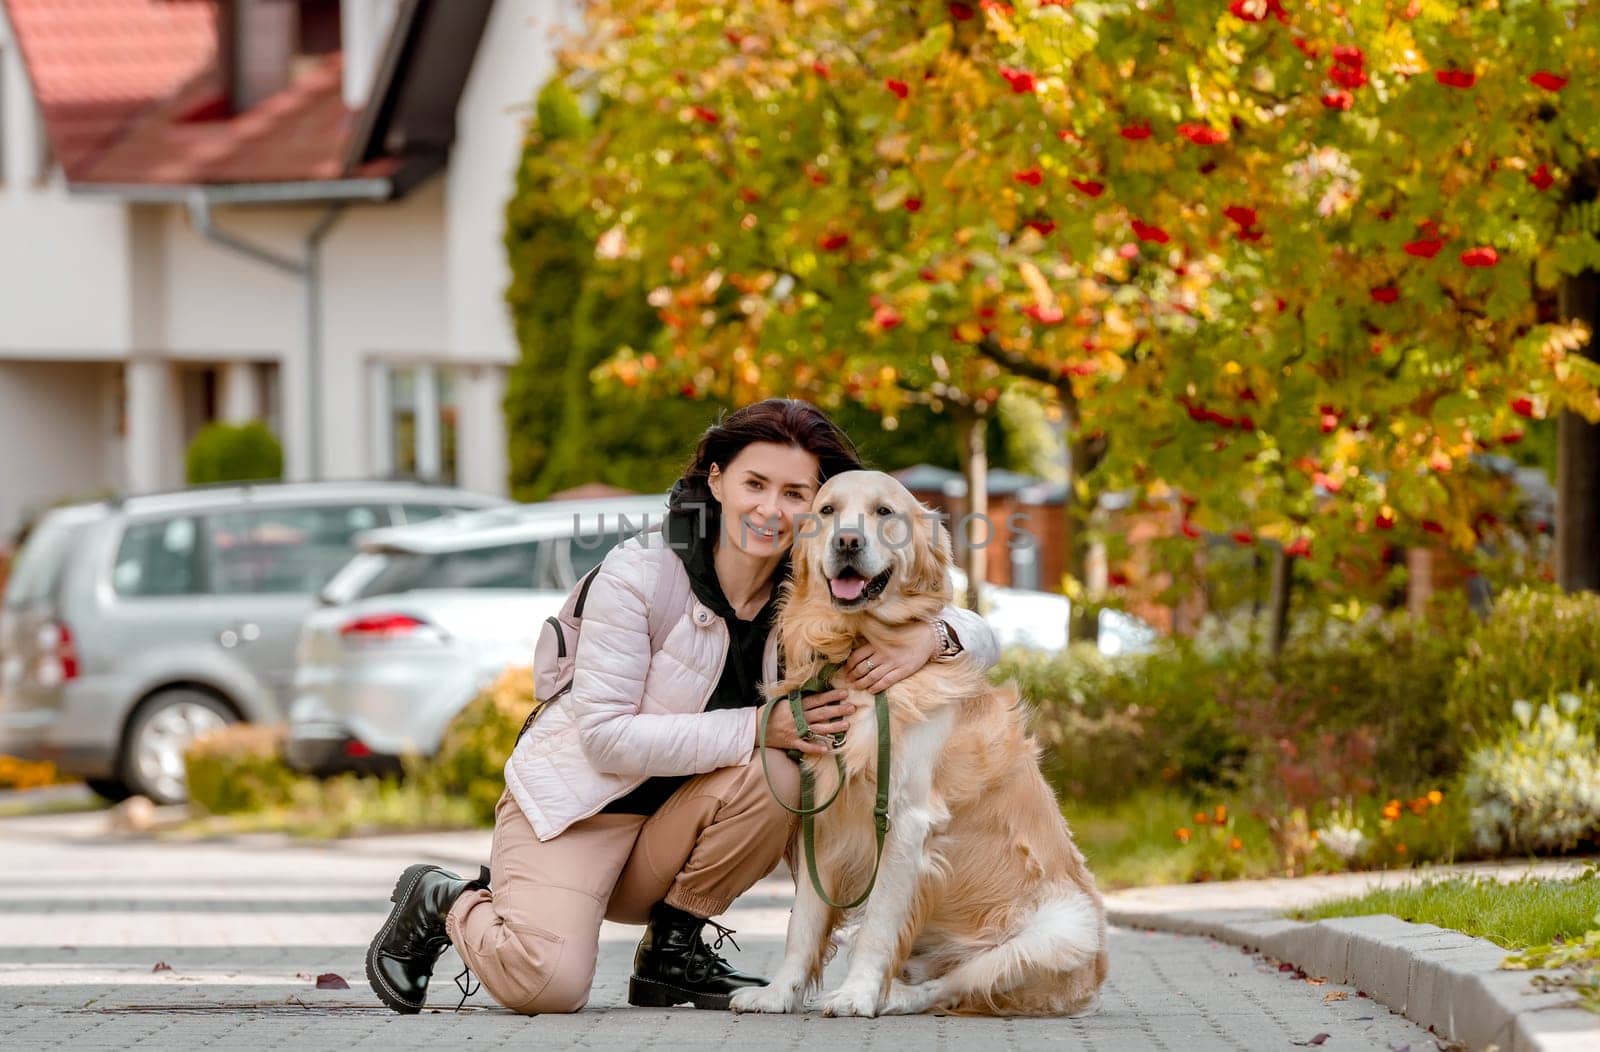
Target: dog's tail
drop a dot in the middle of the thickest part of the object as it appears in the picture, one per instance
(1041, 970)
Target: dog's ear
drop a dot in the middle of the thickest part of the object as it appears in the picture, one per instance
(931, 557)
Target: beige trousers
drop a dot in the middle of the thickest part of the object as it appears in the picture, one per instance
(533, 937)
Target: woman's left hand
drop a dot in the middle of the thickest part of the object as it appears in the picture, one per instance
(874, 668)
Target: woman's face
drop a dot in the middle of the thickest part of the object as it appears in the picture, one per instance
(762, 491)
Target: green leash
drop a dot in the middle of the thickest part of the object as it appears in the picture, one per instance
(807, 812)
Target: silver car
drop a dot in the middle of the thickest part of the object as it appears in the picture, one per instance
(132, 626)
(427, 616)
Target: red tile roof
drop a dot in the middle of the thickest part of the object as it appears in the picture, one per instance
(300, 133)
(132, 95)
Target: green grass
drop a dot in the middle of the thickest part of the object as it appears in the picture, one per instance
(1528, 912)
(341, 807)
(1136, 842)
(48, 803)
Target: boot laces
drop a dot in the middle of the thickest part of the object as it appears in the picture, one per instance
(467, 983)
(712, 957)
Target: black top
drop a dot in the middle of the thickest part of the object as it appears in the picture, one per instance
(738, 686)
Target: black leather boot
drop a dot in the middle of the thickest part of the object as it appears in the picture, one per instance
(401, 956)
(673, 966)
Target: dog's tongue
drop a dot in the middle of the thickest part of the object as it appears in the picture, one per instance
(847, 588)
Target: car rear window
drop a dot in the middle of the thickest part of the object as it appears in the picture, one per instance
(502, 566)
(283, 550)
(37, 568)
(158, 558)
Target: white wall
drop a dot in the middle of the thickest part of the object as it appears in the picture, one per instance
(383, 293)
(91, 279)
(57, 435)
(63, 263)
(384, 274)
(514, 59)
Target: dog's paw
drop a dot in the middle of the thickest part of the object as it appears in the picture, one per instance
(848, 1000)
(771, 999)
(909, 998)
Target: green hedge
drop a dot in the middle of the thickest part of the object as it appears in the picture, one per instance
(239, 768)
(239, 771)
(233, 453)
(1341, 707)
(1533, 646)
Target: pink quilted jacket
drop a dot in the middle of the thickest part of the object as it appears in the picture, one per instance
(636, 707)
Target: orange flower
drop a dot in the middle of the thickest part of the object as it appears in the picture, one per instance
(1201, 818)
(1391, 810)
(1182, 833)
(1399, 849)
(1435, 797)
(1222, 813)
(1235, 844)
(1419, 805)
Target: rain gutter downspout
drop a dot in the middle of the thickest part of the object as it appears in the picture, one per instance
(308, 268)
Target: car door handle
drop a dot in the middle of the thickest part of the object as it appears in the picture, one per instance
(236, 635)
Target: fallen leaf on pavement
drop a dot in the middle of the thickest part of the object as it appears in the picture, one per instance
(331, 981)
(1319, 1039)
(1335, 995)
(162, 966)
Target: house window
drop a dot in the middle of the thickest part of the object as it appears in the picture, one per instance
(415, 433)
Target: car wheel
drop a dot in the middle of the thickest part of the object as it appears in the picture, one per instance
(111, 790)
(152, 760)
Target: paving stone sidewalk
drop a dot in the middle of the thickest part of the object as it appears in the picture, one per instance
(246, 925)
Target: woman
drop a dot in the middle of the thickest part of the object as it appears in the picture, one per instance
(640, 797)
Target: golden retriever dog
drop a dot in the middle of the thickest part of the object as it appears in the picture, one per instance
(983, 904)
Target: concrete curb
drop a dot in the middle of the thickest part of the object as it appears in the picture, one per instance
(1437, 978)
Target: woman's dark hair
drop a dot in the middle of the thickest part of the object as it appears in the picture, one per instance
(784, 421)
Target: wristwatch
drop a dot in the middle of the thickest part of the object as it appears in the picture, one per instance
(948, 647)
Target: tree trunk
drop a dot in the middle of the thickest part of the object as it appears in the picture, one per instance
(977, 531)
(1086, 455)
(1578, 459)
(1282, 588)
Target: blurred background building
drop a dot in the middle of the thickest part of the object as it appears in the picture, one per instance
(285, 210)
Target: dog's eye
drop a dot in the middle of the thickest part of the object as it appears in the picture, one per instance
(826, 509)
(885, 511)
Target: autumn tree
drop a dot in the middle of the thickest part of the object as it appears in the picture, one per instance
(572, 311)
(1385, 197)
(1288, 268)
(816, 190)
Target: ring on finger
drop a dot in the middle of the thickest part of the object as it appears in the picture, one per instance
(870, 665)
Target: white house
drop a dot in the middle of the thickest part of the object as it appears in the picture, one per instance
(287, 210)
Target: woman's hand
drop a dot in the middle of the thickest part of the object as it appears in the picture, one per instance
(872, 668)
(826, 713)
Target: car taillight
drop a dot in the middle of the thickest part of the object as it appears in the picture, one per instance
(58, 656)
(357, 749)
(383, 626)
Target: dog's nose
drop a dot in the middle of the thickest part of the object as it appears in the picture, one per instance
(848, 542)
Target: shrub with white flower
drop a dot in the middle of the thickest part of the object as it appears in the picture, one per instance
(1342, 834)
(1538, 787)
